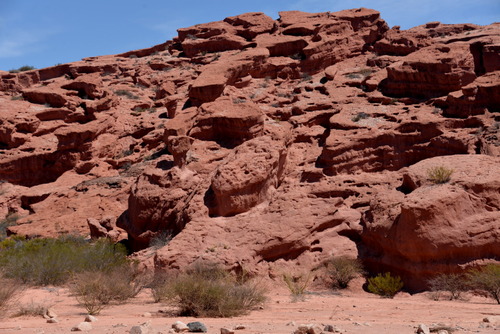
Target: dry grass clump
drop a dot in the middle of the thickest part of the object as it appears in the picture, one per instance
(439, 175)
(343, 269)
(206, 290)
(9, 290)
(94, 290)
(297, 284)
(32, 310)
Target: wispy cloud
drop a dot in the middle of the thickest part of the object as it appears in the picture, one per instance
(169, 29)
(16, 42)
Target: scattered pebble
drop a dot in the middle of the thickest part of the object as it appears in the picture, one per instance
(197, 327)
(423, 329)
(144, 328)
(179, 326)
(82, 327)
(90, 318)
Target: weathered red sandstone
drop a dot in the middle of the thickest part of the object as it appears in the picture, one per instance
(268, 144)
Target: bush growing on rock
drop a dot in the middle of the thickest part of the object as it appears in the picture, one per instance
(52, 261)
(342, 270)
(439, 175)
(453, 283)
(487, 279)
(385, 285)
(23, 69)
(207, 290)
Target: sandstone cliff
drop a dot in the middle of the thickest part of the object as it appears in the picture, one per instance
(268, 144)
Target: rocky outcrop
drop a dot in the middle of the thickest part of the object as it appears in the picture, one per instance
(227, 123)
(247, 178)
(267, 144)
(435, 228)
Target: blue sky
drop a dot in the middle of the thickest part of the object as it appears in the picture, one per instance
(43, 33)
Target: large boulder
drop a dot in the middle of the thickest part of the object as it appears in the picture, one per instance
(435, 228)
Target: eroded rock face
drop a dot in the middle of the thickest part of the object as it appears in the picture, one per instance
(267, 145)
(248, 177)
(436, 228)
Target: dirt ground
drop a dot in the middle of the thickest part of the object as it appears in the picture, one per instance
(350, 311)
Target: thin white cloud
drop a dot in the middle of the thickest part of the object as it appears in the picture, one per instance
(169, 28)
(19, 43)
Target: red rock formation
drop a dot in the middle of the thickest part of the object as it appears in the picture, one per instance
(436, 228)
(267, 144)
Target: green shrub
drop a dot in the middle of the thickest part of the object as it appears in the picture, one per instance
(439, 175)
(23, 69)
(487, 279)
(297, 284)
(96, 289)
(9, 220)
(126, 93)
(52, 261)
(453, 283)
(207, 290)
(385, 285)
(359, 116)
(342, 270)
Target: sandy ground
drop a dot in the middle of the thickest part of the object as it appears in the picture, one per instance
(352, 311)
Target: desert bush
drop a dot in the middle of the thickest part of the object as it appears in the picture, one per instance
(9, 220)
(52, 261)
(342, 270)
(160, 240)
(160, 288)
(207, 290)
(439, 175)
(22, 69)
(297, 284)
(385, 285)
(486, 278)
(453, 283)
(359, 116)
(9, 289)
(94, 290)
(126, 93)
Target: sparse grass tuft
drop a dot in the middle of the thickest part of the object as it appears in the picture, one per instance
(439, 175)
(297, 284)
(160, 240)
(126, 93)
(385, 285)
